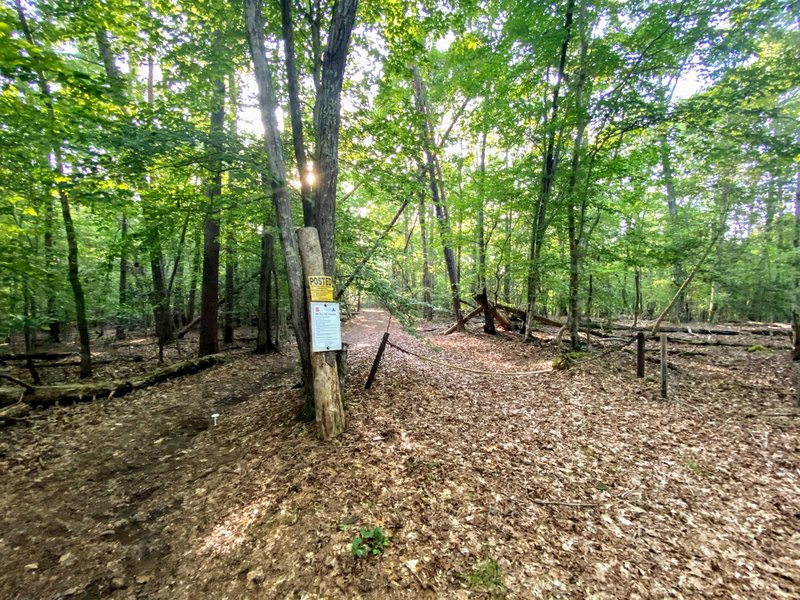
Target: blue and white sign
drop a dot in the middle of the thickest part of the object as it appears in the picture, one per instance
(326, 327)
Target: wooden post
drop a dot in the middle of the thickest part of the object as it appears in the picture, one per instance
(376, 363)
(325, 379)
(640, 354)
(664, 366)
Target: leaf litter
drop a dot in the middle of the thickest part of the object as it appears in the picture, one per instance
(576, 483)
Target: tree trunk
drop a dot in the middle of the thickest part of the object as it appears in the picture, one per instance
(280, 195)
(427, 301)
(438, 199)
(296, 114)
(119, 334)
(681, 312)
(264, 340)
(637, 302)
(72, 243)
(575, 223)
(540, 221)
(324, 371)
(190, 303)
(230, 271)
(326, 126)
(209, 295)
(27, 315)
(796, 282)
(53, 326)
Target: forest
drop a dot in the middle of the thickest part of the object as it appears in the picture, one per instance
(508, 191)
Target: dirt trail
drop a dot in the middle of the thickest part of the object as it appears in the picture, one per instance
(143, 497)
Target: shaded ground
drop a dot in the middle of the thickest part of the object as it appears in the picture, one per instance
(578, 483)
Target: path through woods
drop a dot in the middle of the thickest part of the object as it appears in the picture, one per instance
(143, 497)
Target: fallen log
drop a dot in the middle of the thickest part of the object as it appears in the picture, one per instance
(460, 323)
(47, 395)
(36, 356)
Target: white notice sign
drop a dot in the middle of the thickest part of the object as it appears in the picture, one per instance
(326, 328)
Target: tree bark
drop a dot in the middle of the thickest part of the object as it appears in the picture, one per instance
(427, 284)
(324, 371)
(280, 196)
(122, 311)
(209, 295)
(540, 221)
(230, 300)
(296, 114)
(575, 226)
(327, 124)
(796, 282)
(442, 216)
(264, 340)
(681, 311)
(53, 326)
(72, 242)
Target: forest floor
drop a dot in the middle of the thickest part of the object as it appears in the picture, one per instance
(567, 484)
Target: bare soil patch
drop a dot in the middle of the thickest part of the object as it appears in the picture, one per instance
(577, 483)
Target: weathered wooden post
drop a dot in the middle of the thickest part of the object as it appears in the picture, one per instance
(323, 318)
(376, 363)
(664, 366)
(640, 354)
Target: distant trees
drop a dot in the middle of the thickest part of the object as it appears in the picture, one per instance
(574, 159)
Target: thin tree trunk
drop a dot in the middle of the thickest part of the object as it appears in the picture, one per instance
(264, 340)
(681, 311)
(796, 290)
(438, 200)
(230, 271)
(280, 196)
(53, 326)
(28, 313)
(296, 114)
(209, 295)
(72, 242)
(427, 301)
(119, 334)
(195, 275)
(637, 302)
(540, 221)
(575, 226)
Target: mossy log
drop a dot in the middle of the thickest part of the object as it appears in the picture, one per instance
(47, 395)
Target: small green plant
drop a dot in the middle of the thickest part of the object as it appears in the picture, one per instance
(756, 348)
(369, 540)
(697, 469)
(486, 575)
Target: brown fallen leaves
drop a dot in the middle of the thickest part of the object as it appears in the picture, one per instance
(577, 483)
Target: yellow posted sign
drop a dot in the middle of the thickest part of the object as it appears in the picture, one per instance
(321, 287)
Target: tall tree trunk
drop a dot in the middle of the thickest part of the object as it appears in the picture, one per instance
(276, 177)
(438, 200)
(796, 282)
(637, 301)
(28, 314)
(230, 271)
(427, 301)
(507, 261)
(681, 309)
(195, 275)
(69, 228)
(209, 295)
(540, 220)
(328, 119)
(53, 326)
(575, 222)
(264, 340)
(119, 334)
(296, 114)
